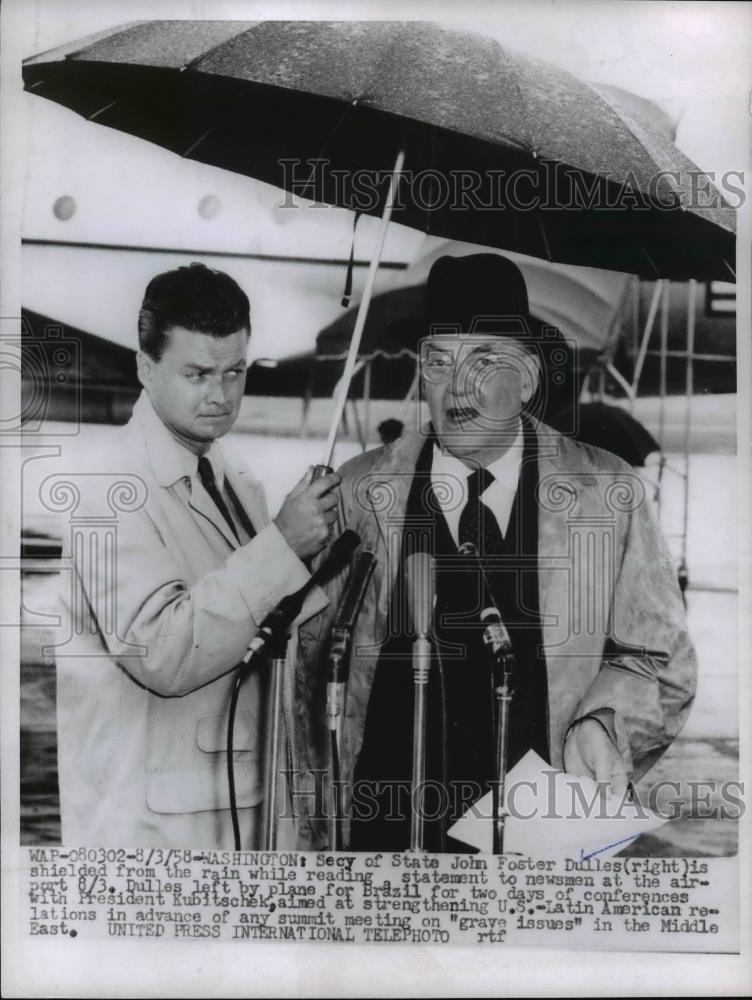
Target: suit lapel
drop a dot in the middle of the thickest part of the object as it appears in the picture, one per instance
(552, 541)
(200, 501)
(567, 496)
(250, 495)
(387, 497)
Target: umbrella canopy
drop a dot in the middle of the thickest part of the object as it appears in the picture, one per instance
(487, 132)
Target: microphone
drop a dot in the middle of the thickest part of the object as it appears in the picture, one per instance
(289, 607)
(344, 625)
(500, 637)
(421, 596)
(495, 634)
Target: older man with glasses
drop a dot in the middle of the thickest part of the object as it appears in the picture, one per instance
(567, 550)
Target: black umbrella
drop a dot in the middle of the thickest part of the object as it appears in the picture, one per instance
(485, 131)
(329, 110)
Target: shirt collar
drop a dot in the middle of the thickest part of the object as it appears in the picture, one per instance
(171, 460)
(505, 469)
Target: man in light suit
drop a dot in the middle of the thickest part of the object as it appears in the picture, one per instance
(605, 672)
(173, 564)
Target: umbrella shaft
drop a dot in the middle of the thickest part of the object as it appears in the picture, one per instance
(352, 355)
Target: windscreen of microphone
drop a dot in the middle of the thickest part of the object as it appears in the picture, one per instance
(496, 629)
(360, 577)
(289, 607)
(421, 591)
(338, 554)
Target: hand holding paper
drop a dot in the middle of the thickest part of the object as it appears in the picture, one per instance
(556, 815)
(590, 753)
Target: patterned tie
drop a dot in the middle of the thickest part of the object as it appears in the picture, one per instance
(206, 475)
(477, 521)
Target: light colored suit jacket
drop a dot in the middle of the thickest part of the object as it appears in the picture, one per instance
(612, 617)
(159, 604)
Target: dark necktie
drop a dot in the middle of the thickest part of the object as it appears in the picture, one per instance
(478, 523)
(206, 475)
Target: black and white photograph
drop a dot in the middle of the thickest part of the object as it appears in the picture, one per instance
(375, 497)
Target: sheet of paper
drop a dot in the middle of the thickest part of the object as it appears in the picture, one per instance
(554, 814)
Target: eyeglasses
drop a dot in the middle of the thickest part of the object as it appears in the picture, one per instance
(440, 366)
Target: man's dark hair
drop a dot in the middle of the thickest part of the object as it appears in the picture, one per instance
(197, 298)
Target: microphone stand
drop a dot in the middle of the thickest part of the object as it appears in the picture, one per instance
(503, 693)
(337, 656)
(339, 669)
(421, 669)
(419, 571)
(273, 734)
(497, 639)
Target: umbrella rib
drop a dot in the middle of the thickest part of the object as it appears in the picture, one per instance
(650, 261)
(731, 270)
(96, 114)
(337, 126)
(527, 146)
(108, 34)
(623, 116)
(542, 229)
(197, 142)
(212, 48)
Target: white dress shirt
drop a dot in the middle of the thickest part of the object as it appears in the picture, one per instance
(449, 479)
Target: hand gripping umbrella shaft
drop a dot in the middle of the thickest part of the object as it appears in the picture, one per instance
(352, 356)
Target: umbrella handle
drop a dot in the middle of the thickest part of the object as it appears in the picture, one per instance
(339, 525)
(352, 355)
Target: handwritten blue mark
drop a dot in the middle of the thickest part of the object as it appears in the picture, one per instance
(592, 854)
